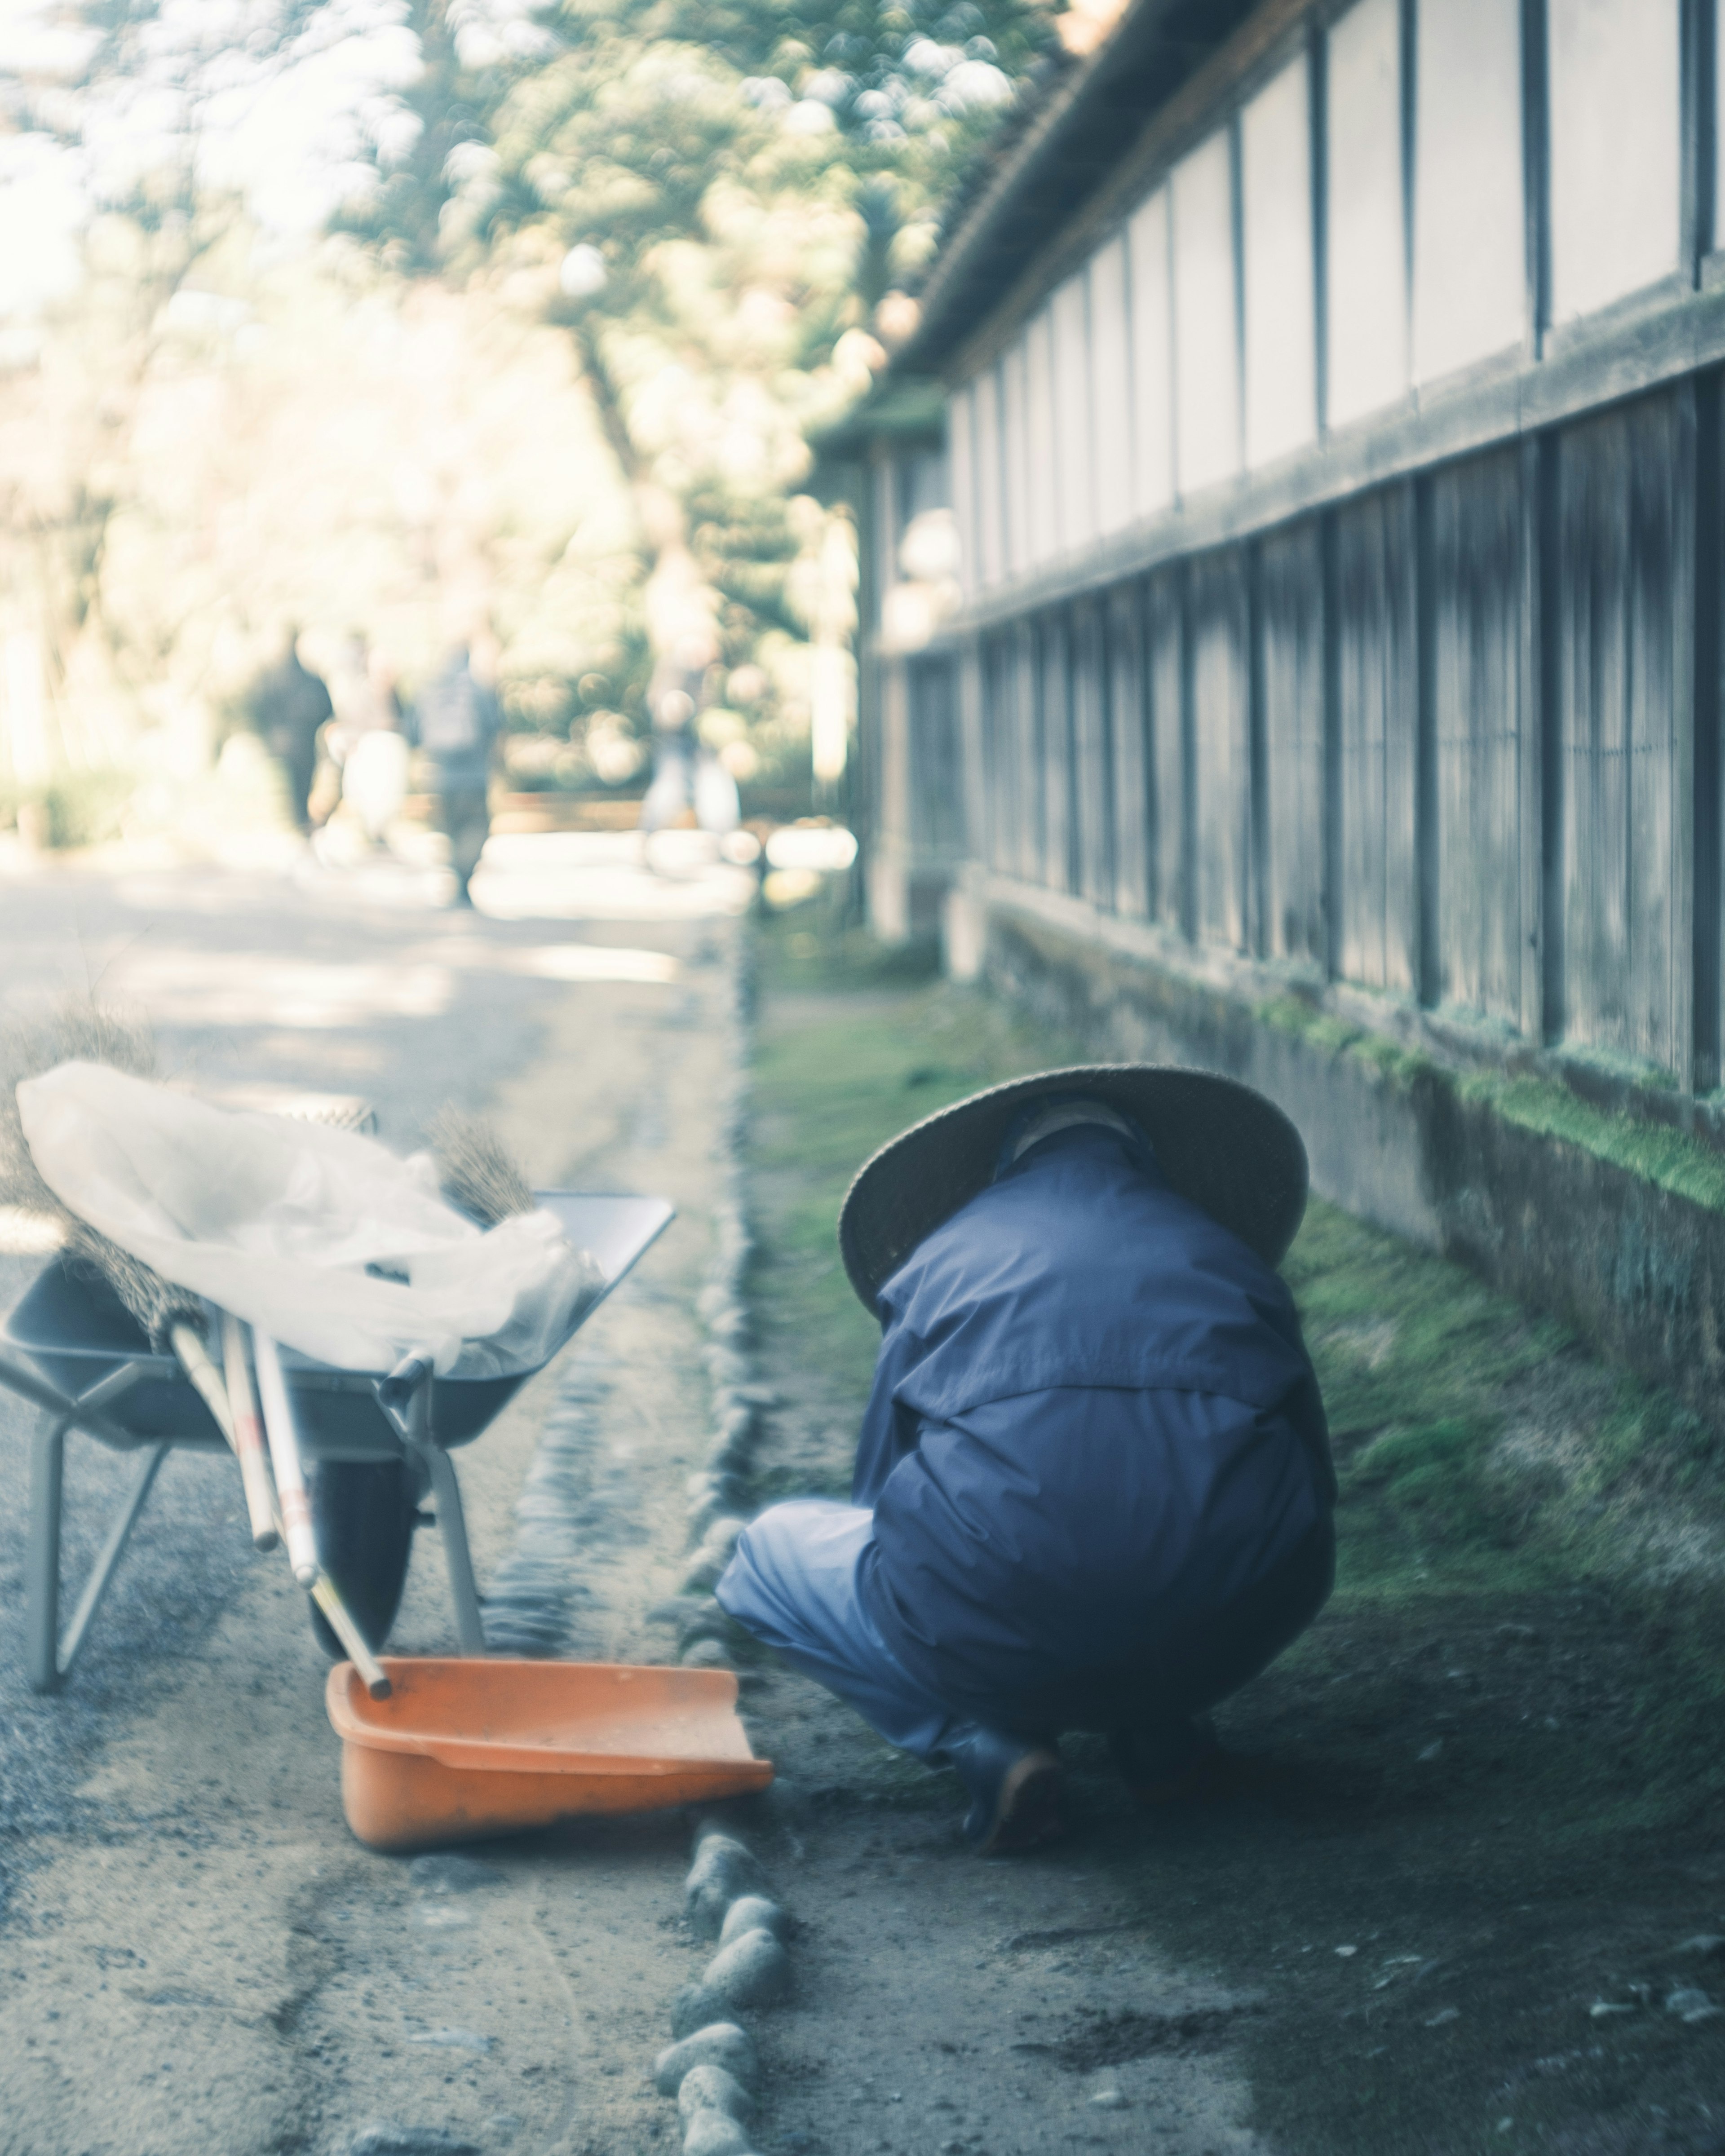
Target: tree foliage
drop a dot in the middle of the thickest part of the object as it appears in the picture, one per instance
(572, 284)
(711, 200)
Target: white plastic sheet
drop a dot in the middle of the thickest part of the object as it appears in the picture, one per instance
(280, 1222)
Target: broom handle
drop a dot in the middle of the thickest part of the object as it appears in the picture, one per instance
(248, 1434)
(284, 1458)
(195, 1361)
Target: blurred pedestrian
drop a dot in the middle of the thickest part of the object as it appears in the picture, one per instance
(367, 740)
(671, 697)
(690, 784)
(456, 723)
(288, 703)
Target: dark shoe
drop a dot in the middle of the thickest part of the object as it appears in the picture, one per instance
(1015, 1790)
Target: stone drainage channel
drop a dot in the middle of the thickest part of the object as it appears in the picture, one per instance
(710, 2068)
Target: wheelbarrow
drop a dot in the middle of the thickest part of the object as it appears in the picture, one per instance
(369, 1468)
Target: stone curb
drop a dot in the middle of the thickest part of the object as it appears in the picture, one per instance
(711, 2068)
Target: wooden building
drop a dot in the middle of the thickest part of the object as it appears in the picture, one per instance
(1306, 581)
(1291, 608)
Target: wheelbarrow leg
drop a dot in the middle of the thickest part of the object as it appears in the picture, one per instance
(48, 1661)
(44, 1665)
(113, 1549)
(452, 1525)
(451, 1520)
(42, 1592)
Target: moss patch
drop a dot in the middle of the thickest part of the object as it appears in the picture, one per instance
(1670, 1159)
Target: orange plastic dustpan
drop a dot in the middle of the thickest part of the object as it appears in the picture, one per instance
(465, 1748)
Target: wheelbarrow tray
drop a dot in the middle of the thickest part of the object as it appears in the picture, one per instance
(74, 1328)
(104, 1376)
(461, 1750)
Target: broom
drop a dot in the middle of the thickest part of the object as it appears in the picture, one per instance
(165, 1312)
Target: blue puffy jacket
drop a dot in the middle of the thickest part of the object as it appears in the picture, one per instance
(1093, 1426)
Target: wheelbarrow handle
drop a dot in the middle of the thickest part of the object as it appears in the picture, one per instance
(395, 1391)
(40, 1393)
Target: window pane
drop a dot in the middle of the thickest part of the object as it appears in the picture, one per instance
(1015, 456)
(1281, 292)
(1206, 349)
(1072, 429)
(1469, 251)
(1039, 387)
(1151, 358)
(1367, 358)
(1614, 149)
(1110, 394)
(990, 509)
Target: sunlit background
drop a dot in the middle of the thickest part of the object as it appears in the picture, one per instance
(381, 317)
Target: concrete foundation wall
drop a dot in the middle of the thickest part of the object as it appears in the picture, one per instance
(1442, 1154)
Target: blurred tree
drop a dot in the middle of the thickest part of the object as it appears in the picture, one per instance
(592, 269)
(711, 200)
(147, 113)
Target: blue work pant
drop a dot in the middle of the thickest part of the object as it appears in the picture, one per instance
(793, 1583)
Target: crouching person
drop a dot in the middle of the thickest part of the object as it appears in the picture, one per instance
(1093, 1488)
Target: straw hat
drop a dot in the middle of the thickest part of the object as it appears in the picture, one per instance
(1219, 1144)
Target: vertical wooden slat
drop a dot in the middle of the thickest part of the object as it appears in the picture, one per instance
(1375, 688)
(1533, 689)
(1546, 457)
(1027, 704)
(1290, 671)
(1427, 821)
(1220, 674)
(1682, 599)
(974, 840)
(1708, 809)
(1627, 510)
(1056, 747)
(1009, 756)
(1334, 805)
(1257, 927)
(1134, 801)
(1474, 599)
(1093, 836)
(1188, 762)
(1165, 682)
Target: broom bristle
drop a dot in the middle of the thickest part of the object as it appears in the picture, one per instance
(475, 1170)
(157, 1304)
(81, 1030)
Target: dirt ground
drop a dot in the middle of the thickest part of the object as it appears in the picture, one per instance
(1447, 1906)
(1489, 1795)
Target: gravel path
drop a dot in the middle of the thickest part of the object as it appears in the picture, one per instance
(195, 1953)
